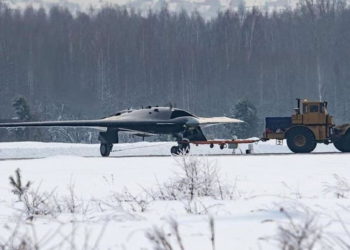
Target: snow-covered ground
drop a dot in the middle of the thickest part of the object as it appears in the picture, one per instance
(113, 203)
(15, 150)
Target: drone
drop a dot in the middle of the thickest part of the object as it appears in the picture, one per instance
(185, 127)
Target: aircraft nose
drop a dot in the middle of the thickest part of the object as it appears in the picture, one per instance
(192, 122)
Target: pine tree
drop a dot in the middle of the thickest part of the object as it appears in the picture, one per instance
(23, 113)
(22, 109)
(247, 112)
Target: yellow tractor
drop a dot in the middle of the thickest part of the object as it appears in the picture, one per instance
(309, 125)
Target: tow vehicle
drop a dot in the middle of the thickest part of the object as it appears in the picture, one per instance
(310, 124)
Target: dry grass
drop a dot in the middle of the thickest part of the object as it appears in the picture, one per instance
(162, 240)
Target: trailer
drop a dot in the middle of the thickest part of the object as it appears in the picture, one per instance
(223, 143)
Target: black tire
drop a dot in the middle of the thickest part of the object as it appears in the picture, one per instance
(343, 143)
(175, 150)
(184, 148)
(301, 140)
(105, 149)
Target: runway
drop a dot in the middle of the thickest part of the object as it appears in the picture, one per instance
(197, 155)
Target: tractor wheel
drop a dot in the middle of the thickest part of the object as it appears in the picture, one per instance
(343, 143)
(105, 149)
(301, 140)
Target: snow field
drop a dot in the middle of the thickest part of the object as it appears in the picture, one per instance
(262, 189)
(24, 150)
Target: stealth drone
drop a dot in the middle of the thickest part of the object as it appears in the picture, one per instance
(184, 126)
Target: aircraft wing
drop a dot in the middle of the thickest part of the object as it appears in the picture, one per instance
(77, 123)
(203, 121)
(136, 132)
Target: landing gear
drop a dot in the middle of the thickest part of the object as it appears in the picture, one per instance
(181, 149)
(107, 139)
(105, 149)
(175, 150)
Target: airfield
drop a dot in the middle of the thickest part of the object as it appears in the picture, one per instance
(115, 202)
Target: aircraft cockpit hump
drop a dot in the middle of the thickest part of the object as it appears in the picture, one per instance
(123, 112)
(179, 113)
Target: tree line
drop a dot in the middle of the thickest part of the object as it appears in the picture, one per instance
(89, 65)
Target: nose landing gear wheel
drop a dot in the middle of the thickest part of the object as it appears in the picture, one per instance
(105, 149)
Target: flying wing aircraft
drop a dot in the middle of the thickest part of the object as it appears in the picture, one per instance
(184, 126)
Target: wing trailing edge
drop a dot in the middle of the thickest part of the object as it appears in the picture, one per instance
(204, 121)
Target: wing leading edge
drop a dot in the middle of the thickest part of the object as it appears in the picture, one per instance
(78, 123)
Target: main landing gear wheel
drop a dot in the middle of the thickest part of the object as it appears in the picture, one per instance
(343, 143)
(181, 149)
(175, 150)
(105, 149)
(301, 140)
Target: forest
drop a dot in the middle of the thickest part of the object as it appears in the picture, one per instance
(89, 65)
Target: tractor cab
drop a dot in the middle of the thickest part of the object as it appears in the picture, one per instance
(312, 113)
(311, 107)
